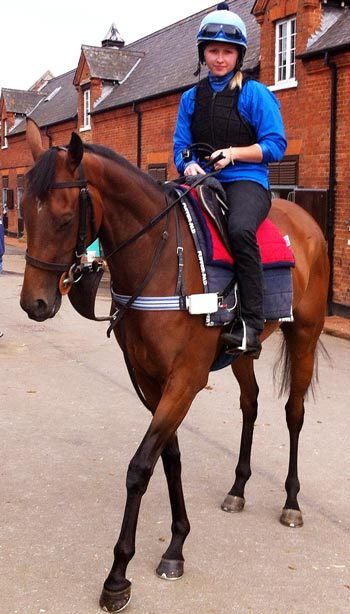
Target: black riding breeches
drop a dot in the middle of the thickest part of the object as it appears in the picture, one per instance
(249, 204)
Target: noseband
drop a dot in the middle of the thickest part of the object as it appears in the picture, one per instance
(86, 208)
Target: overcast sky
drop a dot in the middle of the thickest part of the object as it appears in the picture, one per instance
(41, 35)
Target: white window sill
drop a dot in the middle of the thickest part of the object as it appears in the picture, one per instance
(84, 128)
(4, 146)
(283, 85)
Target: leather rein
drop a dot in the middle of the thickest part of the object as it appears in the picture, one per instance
(71, 272)
(74, 271)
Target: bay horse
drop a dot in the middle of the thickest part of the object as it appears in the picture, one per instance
(171, 352)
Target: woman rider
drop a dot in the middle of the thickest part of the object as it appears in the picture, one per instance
(240, 118)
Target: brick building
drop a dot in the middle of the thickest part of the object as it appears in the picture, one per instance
(126, 97)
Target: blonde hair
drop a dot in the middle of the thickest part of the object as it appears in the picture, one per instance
(237, 80)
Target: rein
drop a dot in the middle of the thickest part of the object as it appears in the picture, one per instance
(85, 203)
(73, 272)
(160, 215)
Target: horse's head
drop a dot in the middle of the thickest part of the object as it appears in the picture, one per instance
(51, 211)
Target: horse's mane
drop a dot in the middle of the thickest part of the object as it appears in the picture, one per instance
(41, 176)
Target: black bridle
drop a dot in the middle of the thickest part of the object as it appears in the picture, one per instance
(86, 210)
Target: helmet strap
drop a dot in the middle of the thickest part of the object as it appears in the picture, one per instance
(197, 72)
(201, 48)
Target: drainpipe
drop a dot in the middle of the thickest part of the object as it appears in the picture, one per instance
(138, 134)
(48, 136)
(332, 178)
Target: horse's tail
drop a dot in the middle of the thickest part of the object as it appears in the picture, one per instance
(282, 368)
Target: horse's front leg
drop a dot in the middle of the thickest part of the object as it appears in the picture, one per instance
(175, 402)
(243, 370)
(171, 566)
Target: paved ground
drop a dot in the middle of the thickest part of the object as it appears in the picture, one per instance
(70, 423)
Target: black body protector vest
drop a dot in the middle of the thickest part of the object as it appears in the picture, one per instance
(216, 120)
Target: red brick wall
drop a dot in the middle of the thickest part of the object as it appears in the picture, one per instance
(17, 160)
(342, 212)
(118, 129)
(306, 114)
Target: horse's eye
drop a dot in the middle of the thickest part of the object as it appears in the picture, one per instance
(63, 224)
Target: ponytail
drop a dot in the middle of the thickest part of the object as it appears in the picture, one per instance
(237, 80)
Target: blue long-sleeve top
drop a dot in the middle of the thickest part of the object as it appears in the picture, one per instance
(260, 108)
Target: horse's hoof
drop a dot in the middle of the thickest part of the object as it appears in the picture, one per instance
(233, 503)
(115, 601)
(291, 518)
(170, 570)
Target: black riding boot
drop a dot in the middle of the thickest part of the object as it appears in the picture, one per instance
(242, 339)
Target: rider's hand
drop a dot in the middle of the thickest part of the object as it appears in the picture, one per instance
(193, 169)
(227, 158)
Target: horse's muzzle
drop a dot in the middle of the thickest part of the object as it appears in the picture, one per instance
(39, 309)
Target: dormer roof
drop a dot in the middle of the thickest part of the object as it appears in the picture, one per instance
(20, 102)
(107, 63)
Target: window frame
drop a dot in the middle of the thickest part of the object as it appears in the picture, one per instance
(285, 50)
(4, 133)
(86, 125)
(19, 194)
(159, 172)
(284, 176)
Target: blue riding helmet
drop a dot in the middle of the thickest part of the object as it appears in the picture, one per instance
(224, 26)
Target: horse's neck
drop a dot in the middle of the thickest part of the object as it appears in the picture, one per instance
(129, 204)
(131, 198)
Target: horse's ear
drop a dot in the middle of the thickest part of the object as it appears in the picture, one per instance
(33, 136)
(75, 151)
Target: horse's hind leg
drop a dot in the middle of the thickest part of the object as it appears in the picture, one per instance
(244, 372)
(301, 345)
(172, 563)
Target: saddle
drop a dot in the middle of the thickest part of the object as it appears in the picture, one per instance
(212, 198)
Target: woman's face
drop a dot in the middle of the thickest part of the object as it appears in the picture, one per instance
(221, 58)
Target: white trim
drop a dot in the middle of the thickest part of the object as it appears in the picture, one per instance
(5, 134)
(284, 49)
(53, 94)
(84, 128)
(86, 108)
(130, 71)
(283, 85)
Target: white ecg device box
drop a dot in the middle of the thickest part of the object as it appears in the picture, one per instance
(202, 303)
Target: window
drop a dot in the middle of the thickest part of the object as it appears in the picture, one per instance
(20, 191)
(283, 176)
(285, 46)
(4, 141)
(7, 195)
(158, 172)
(86, 108)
